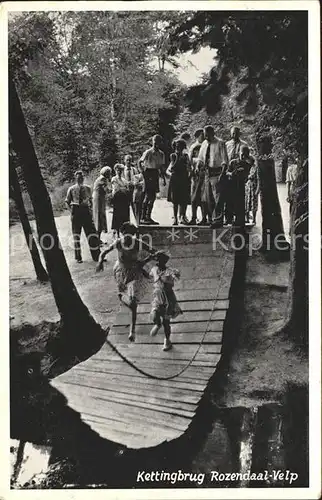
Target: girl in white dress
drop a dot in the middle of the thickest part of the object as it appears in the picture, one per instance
(164, 301)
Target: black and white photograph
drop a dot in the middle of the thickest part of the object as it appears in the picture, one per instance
(163, 335)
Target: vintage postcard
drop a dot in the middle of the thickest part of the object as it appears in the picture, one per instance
(161, 246)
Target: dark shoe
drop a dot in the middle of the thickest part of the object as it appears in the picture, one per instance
(216, 224)
(79, 261)
(193, 222)
(184, 221)
(203, 222)
(153, 222)
(132, 336)
(175, 223)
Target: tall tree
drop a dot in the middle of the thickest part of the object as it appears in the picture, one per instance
(273, 240)
(15, 193)
(298, 305)
(85, 76)
(79, 328)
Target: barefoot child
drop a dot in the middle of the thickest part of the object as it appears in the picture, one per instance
(128, 269)
(164, 302)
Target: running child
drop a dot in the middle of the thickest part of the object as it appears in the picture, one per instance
(164, 302)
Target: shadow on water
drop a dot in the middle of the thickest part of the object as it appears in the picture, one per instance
(233, 440)
(260, 447)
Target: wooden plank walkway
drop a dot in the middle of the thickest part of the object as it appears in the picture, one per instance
(122, 404)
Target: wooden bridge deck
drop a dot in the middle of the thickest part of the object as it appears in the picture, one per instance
(139, 411)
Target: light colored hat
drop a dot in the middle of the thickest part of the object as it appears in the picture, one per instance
(105, 170)
(119, 166)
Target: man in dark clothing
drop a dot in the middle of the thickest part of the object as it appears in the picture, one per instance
(152, 165)
(79, 201)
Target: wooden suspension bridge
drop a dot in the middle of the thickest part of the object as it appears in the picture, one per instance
(136, 394)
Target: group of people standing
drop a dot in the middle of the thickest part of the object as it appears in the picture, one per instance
(216, 176)
(88, 206)
(219, 177)
(210, 174)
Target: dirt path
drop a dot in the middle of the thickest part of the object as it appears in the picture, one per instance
(264, 364)
(97, 290)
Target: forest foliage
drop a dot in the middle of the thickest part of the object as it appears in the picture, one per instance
(93, 86)
(260, 76)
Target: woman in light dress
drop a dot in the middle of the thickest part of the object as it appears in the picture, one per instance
(101, 187)
(121, 199)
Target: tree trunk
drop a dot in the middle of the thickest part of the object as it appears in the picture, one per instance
(19, 461)
(32, 246)
(76, 320)
(273, 236)
(297, 319)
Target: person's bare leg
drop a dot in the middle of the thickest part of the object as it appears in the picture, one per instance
(175, 214)
(157, 324)
(133, 322)
(144, 207)
(131, 304)
(167, 345)
(194, 207)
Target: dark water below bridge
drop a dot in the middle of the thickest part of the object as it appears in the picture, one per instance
(52, 448)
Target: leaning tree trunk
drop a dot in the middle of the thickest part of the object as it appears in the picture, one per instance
(41, 273)
(297, 319)
(77, 324)
(273, 236)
